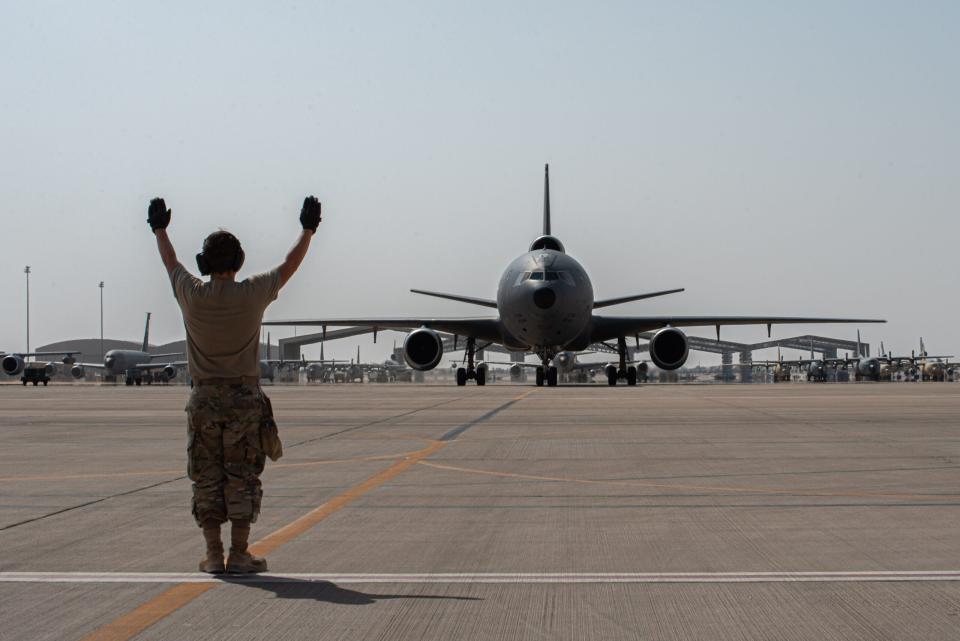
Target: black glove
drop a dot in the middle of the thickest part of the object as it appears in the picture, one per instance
(158, 215)
(310, 214)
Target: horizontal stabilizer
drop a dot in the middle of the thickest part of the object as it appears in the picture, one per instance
(483, 302)
(626, 299)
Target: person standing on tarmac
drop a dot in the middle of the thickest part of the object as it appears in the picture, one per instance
(230, 427)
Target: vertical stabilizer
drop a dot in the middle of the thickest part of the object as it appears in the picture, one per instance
(546, 200)
(146, 335)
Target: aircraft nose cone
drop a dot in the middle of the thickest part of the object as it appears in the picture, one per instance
(109, 361)
(544, 298)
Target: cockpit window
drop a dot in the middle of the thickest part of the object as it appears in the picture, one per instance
(547, 275)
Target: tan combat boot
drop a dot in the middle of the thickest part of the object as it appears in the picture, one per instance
(213, 562)
(240, 560)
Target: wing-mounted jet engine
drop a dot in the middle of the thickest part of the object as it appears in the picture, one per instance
(422, 349)
(669, 348)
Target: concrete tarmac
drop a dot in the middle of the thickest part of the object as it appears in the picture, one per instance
(789, 511)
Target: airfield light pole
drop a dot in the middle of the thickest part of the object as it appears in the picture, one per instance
(101, 320)
(26, 270)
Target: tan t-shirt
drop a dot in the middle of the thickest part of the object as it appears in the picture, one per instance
(223, 320)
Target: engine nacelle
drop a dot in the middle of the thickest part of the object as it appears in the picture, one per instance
(12, 365)
(169, 372)
(669, 348)
(77, 371)
(422, 349)
(49, 369)
(610, 370)
(516, 372)
(69, 360)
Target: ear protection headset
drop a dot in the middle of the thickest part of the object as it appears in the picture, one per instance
(235, 264)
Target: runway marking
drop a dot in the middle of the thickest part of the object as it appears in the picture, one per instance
(133, 623)
(106, 475)
(699, 488)
(551, 578)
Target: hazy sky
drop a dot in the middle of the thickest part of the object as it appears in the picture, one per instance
(772, 158)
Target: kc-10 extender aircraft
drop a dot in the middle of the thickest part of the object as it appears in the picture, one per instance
(545, 305)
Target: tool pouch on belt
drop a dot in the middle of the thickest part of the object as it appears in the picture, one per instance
(269, 435)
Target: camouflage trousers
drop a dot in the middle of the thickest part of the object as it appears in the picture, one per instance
(225, 458)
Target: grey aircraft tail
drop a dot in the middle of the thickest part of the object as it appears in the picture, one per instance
(146, 335)
(546, 200)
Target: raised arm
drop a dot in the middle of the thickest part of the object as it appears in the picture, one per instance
(310, 219)
(159, 217)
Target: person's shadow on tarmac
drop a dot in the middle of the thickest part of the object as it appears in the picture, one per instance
(328, 592)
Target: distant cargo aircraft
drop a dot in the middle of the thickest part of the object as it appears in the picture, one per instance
(545, 304)
(133, 364)
(35, 372)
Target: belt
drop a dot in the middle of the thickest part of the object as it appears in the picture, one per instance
(236, 380)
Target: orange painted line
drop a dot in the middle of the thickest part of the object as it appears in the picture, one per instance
(160, 607)
(109, 475)
(699, 488)
(277, 538)
(138, 620)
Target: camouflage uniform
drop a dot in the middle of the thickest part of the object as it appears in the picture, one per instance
(225, 456)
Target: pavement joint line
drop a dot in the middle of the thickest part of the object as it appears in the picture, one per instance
(163, 605)
(700, 488)
(527, 578)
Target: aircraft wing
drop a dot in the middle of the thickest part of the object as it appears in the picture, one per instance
(91, 365)
(487, 329)
(607, 327)
(148, 366)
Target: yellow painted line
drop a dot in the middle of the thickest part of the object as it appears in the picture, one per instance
(277, 538)
(699, 488)
(138, 620)
(108, 475)
(135, 622)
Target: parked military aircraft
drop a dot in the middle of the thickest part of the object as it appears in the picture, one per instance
(35, 372)
(133, 364)
(545, 303)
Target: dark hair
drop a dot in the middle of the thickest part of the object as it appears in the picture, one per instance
(221, 253)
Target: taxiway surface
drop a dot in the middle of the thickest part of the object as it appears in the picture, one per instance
(417, 512)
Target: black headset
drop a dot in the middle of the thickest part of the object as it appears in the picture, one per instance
(235, 264)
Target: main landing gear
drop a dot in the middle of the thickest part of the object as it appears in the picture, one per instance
(624, 372)
(477, 373)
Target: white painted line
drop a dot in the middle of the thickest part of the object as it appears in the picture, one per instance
(522, 578)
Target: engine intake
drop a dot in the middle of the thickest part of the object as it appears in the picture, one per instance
(669, 349)
(12, 365)
(77, 371)
(170, 372)
(422, 349)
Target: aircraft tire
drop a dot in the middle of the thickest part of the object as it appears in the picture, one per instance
(631, 375)
(552, 376)
(540, 377)
(481, 376)
(45, 383)
(461, 376)
(612, 379)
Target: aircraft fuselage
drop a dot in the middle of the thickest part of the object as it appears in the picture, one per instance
(545, 300)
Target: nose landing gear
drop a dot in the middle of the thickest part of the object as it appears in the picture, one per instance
(477, 373)
(548, 375)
